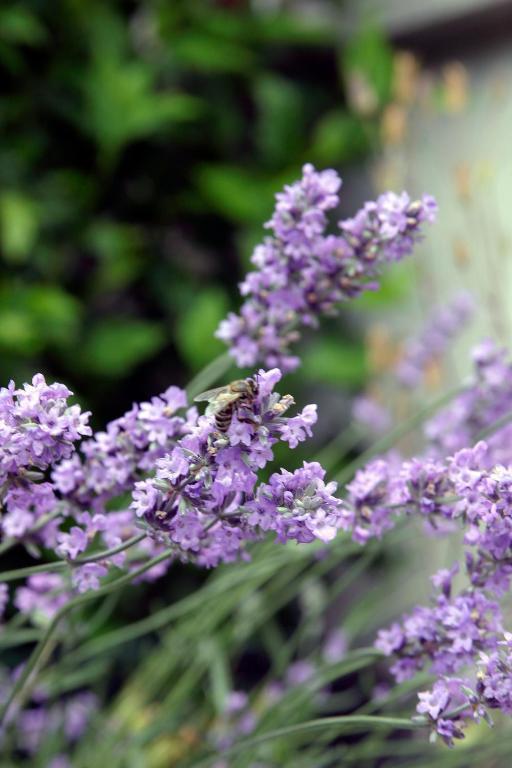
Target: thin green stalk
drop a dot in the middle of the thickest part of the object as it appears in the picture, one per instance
(22, 573)
(41, 648)
(209, 375)
(20, 637)
(340, 724)
(339, 447)
(110, 552)
(58, 565)
(495, 426)
(388, 440)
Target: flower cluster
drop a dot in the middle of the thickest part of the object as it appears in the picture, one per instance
(465, 629)
(302, 272)
(110, 464)
(113, 459)
(204, 499)
(38, 427)
(298, 505)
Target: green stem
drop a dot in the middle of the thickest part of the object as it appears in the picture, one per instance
(58, 565)
(209, 375)
(106, 553)
(388, 440)
(39, 651)
(339, 447)
(21, 573)
(340, 724)
(495, 426)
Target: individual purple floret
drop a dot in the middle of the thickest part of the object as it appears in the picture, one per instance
(444, 323)
(303, 273)
(446, 706)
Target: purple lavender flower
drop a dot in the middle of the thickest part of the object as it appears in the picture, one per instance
(204, 498)
(42, 596)
(4, 598)
(447, 695)
(444, 323)
(297, 505)
(303, 273)
(335, 646)
(489, 398)
(370, 414)
(37, 426)
(88, 576)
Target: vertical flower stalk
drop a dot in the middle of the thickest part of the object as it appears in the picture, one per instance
(303, 273)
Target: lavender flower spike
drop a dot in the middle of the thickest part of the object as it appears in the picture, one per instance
(303, 273)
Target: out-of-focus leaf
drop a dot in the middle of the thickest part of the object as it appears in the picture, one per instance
(18, 25)
(17, 332)
(286, 28)
(19, 224)
(196, 325)
(64, 196)
(335, 362)
(395, 286)
(122, 105)
(280, 127)
(116, 346)
(117, 247)
(209, 53)
(33, 317)
(242, 196)
(55, 313)
(369, 56)
(338, 137)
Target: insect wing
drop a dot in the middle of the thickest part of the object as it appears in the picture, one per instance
(221, 401)
(210, 394)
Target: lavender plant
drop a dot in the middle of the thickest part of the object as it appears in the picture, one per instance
(166, 483)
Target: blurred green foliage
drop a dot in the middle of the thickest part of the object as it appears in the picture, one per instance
(141, 145)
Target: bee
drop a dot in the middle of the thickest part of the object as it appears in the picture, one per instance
(224, 401)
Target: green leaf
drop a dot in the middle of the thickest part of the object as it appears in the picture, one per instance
(19, 226)
(334, 361)
(55, 313)
(18, 25)
(33, 317)
(17, 332)
(115, 346)
(211, 53)
(368, 54)
(121, 104)
(218, 669)
(395, 286)
(240, 195)
(280, 126)
(338, 137)
(118, 248)
(197, 324)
